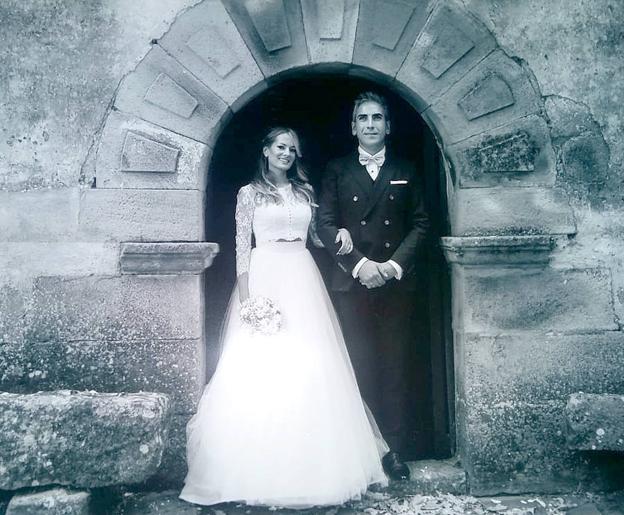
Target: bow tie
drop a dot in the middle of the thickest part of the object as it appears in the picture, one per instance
(372, 163)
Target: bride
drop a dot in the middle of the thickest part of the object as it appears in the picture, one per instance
(282, 423)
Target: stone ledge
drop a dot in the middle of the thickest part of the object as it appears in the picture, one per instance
(595, 422)
(82, 439)
(57, 501)
(167, 258)
(504, 250)
(436, 476)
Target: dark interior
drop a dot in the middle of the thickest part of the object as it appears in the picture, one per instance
(319, 108)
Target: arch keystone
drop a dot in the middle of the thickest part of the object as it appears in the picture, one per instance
(386, 32)
(330, 29)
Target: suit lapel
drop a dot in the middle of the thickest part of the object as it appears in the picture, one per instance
(381, 184)
(361, 176)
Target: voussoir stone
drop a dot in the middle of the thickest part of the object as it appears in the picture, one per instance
(82, 439)
(57, 501)
(595, 422)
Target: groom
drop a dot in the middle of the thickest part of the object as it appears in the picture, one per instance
(375, 196)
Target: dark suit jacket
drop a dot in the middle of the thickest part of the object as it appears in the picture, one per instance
(386, 218)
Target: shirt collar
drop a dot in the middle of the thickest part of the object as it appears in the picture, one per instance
(381, 153)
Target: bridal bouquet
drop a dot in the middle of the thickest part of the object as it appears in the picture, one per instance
(261, 315)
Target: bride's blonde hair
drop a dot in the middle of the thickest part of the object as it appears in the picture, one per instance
(296, 175)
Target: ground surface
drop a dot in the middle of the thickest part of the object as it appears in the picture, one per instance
(389, 502)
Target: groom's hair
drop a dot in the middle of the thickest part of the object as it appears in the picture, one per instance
(370, 96)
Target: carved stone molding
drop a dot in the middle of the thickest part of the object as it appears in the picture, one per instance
(498, 250)
(190, 258)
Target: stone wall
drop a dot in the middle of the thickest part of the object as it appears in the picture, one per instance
(76, 182)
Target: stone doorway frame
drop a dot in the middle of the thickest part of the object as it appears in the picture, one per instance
(483, 106)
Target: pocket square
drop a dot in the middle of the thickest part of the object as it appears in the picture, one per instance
(399, 181)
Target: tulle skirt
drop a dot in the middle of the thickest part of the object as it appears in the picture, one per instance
(282, 423)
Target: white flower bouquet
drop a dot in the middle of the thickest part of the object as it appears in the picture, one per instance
(261, 315)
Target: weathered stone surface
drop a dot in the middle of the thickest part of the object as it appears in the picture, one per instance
(80, 438)
(436, 476)
(167, 258)
(515, 447)
(330, 29)
(386, 31)
(518, 211)
(273, 31)
(117, 308)
(539, 367)
(596, 421)
(520, 154)
(206, 42)
(161, 91)
(137, 154)
(173, 468)
(41, 215)
(500, 250)
(585, 167)
(141, 215)
(173, 367)
(536, 299)
(451, 43)
(24, 260)
(57, 501)
(569, 118)
(492, 94)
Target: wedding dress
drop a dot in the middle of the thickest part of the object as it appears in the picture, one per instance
(282, 422)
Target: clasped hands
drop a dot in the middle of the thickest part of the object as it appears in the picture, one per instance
(371, 274)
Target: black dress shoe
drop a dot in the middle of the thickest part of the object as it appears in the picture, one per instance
(394, 467)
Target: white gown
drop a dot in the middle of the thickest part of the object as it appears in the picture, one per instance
(282, 423)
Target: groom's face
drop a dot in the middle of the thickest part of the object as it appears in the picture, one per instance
(370, 126)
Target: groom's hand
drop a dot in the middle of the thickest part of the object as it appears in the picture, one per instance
(370, 275)
(387, 270)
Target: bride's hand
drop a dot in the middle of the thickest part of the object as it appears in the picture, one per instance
(344, 238)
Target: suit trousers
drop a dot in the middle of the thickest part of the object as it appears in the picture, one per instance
(377, 328)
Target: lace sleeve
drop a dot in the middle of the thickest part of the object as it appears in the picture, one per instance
(316, 241)
(244, 218)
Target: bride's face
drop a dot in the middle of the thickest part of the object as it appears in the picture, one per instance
(281, 153)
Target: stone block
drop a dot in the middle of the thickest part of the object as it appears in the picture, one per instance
(21, 261)
(57, 501)
(451, 43)
(430, 477)
(137, 154)
(173, 468)
(330, 29)
(585, 164)
(496, 301)
(537, 368)
(163, 92)
(595, 422)
(40, 215)
(82, 439)
(498, 250)
(519, 154)
(167, 258)
(516, 447)
(495, 92)
(172, 367)
(273, 31)
(386, 32)
(117, 308)
(206, 42)
(15, 303)
(141, 215)
(517, 211)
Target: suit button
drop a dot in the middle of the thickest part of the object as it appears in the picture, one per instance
(386, 222)
(387, 245)
(363, 222)
(355, 198)
(391, 197)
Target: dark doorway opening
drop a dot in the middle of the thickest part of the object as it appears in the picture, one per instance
(319, 108)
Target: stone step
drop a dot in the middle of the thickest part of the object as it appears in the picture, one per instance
(433, 476)
(595, 422)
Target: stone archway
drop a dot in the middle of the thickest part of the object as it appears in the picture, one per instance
(483, 106)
